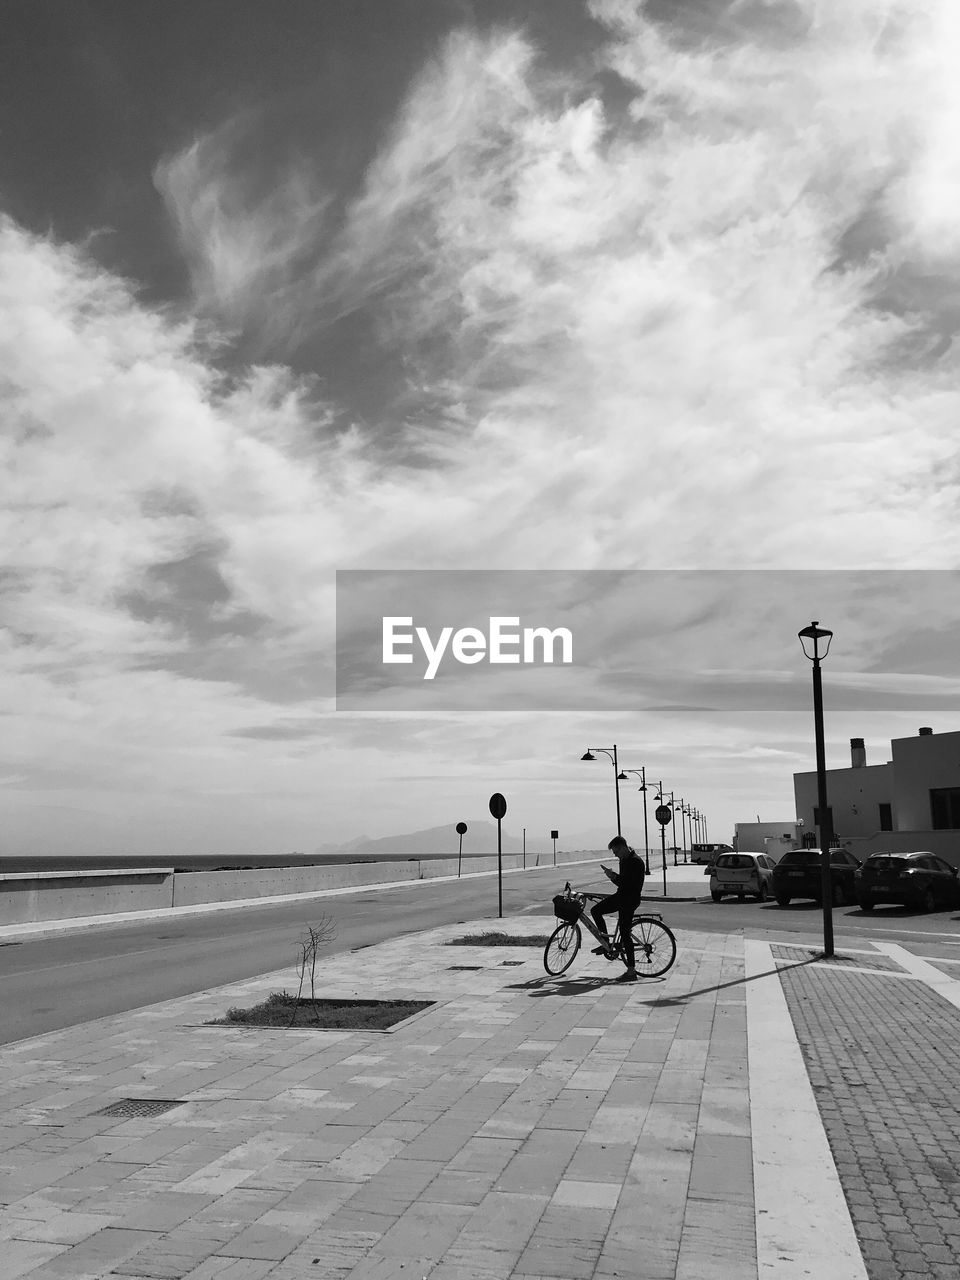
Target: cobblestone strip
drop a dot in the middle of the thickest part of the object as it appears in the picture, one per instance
(881, 1054)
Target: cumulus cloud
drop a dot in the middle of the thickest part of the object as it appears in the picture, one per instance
(706, 321)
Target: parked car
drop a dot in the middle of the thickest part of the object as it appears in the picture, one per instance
(920, 880)
(797, 875)
(741, 873)
(708, 853)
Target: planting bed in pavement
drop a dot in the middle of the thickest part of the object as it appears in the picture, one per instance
(499, 940)
(281, 1009)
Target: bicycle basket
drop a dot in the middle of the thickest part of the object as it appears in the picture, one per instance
(568, 909)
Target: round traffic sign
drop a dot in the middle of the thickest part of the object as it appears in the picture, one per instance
(498, 805)
(662, 814)
(461, 828)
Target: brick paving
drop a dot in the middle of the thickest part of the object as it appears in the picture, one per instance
(881, 1054)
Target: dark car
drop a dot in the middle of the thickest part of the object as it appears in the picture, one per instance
(797, 875)
(920, 880)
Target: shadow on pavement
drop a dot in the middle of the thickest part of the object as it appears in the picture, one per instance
(736, 982)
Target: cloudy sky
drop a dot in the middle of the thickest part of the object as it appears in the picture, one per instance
(288, 288)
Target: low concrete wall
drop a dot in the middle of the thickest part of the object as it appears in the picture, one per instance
(26, 897)
(61, 895)
(193, 888)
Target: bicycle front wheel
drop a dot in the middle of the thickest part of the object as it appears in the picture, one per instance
(654, 946)
(561, 949)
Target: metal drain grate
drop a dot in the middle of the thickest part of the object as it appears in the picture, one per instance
(463, 967)
(510, 963)
(139, 1107)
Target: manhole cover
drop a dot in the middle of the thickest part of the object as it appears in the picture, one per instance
(139, 1107)
(509, 963)
(463, 967)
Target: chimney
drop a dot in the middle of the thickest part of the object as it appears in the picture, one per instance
(925, 731)
(858, 755)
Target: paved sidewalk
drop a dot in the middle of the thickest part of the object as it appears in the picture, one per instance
(523, 1128)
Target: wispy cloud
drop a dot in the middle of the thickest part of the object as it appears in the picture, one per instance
(694, 307)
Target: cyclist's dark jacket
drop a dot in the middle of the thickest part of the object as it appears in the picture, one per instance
(630, 875)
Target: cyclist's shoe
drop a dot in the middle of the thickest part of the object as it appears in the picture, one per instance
(604, 951)
(630, 975)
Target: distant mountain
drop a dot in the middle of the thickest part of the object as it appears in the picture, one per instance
(341, 848)
(481, 837)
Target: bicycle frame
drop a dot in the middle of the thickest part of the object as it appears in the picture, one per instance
(655, 944)
(586, 919)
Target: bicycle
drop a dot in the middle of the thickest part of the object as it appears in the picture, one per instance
(654, 945)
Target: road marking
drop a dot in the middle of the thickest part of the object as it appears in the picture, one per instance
(941, 982)
(803, 1224)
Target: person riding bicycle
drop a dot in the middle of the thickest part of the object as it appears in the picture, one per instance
(625, 902)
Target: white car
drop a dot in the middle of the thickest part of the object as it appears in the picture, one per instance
(742, 873)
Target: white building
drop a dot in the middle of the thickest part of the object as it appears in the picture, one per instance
(911, 802)
(771, 838)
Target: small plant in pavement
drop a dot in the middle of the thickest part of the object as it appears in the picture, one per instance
(310, 945)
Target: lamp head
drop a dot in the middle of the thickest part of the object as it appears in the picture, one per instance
(815, 633)
(588, 755)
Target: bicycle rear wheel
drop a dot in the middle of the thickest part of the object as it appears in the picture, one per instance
(655, 947)
(561, 949)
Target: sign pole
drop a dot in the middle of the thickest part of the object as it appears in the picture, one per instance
(663, 814)
(499, 872)
(498, 807)
(461, 832)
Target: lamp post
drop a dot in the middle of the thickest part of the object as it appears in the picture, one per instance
(663, 820)
(684, 810)
(662, 799)
(612, 753)
(642, 772)
(824, 819)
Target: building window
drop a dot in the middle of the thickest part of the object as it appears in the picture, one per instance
(945, 808)
(886, 817)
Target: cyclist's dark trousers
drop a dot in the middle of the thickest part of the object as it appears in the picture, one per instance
(626, 908)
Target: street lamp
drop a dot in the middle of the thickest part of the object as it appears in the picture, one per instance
(612, 753)
(642, 771)
(673, 807)
(684, 810)
(823, 817)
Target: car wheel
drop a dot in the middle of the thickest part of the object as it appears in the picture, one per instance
(865, 904)
(716, 895)
(928, 902)
(782, 900)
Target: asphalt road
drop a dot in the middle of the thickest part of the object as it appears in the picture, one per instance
(56, 981)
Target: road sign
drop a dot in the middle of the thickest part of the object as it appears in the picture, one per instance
(498, 807)
(554, 835)
(461, 828)
(662, 814)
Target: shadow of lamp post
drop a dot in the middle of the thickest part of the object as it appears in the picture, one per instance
(815, 634)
